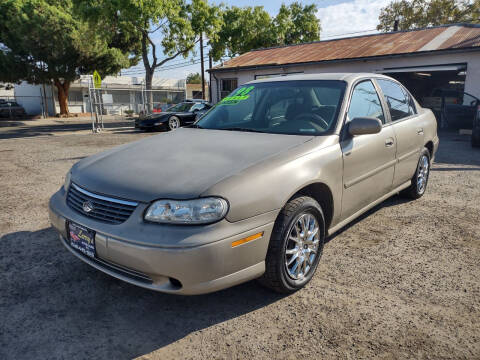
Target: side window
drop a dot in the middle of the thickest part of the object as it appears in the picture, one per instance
(197, 107)
(411, 105)
(399, 101)
(365, 102)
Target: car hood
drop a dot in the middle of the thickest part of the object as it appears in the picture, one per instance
(181, 164)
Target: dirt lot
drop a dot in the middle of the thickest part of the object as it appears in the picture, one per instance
(401, 282)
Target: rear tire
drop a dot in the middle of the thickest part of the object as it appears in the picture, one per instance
(295, 246)
(420, 179)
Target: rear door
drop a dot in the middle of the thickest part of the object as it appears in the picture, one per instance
(368, 160)
(408, 127)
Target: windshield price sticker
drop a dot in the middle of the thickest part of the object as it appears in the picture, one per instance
(241, 94)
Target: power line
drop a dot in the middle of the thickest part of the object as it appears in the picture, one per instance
(350, 33)
(184, 62)
(140, 67)
(167, 67)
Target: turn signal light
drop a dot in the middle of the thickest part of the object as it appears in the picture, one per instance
(247, 239)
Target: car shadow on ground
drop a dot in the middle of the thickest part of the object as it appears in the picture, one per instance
(392, 201)
(52, 305)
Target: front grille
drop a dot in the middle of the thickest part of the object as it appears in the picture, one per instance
(103, 208)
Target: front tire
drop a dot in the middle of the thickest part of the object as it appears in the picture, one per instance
(420, 179)
(173, 123)
(295, 246)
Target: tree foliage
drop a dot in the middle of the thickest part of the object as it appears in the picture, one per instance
(174, 26)
(48, 40)
(194, 78)
(296, 24)
(250, 28)
(423, 13)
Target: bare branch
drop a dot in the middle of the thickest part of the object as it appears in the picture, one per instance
(180, 52)
(154, 50)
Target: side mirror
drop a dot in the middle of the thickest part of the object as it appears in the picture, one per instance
(364, 126)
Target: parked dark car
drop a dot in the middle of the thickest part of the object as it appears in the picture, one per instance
(476, 129)
(184, 113)
(10, 109)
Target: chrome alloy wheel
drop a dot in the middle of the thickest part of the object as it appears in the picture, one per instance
(173, 123)
(302, 246)
(422, 174)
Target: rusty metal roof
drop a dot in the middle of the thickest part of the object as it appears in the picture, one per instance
(441, 38)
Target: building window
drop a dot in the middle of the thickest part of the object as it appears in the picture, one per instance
(228, 85)
(196, 94)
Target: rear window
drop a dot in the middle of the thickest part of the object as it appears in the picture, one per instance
(400, 103)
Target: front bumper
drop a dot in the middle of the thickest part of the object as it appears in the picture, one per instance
(152, 126)
(173, 259)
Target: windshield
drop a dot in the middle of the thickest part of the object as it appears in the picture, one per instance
(303, 107)
(181, 107)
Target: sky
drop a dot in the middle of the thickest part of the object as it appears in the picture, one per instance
(338, 18)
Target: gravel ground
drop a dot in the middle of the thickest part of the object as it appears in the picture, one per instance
(401, 282)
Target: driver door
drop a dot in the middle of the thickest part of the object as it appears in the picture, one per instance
(368, 160)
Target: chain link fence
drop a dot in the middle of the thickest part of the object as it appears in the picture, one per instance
(119, 98)
(17, 106)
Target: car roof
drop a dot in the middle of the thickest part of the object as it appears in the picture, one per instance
(348, 77)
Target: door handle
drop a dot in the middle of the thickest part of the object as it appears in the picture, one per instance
(389, 142)
(420, 131)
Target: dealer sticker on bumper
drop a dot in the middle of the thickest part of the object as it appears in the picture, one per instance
(82, 239)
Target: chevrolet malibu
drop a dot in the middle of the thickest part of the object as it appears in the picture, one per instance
(252, 189)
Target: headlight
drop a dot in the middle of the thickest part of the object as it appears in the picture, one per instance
(66, 184)
(198, 211)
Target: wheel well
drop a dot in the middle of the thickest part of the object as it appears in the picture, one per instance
(322, 194)
(429, 146)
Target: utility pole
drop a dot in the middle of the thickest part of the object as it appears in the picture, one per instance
(201, 66)
(210, 65)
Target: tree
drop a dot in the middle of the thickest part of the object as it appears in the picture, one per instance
(296, 24)
(249, 28)
(173, 25)
(48, 40)
(243, 29)
(424, 13)
(194, 78)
